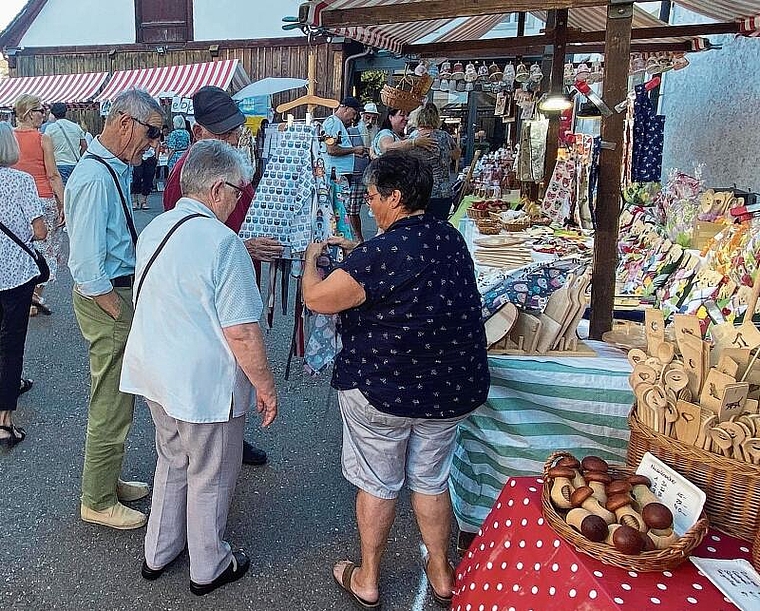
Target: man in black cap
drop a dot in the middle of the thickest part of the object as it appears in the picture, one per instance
(217, 117)
(342, 153)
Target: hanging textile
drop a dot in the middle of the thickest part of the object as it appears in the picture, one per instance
(283, 207)
(648, 139)
(532, 152)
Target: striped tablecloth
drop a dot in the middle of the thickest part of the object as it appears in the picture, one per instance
(537, 406)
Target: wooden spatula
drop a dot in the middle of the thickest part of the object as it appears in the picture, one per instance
(746, 335)
(688, 423)
(654, 326)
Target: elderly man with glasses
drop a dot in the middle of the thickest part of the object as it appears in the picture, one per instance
(102, 262)
(197, 355)
(217, 117)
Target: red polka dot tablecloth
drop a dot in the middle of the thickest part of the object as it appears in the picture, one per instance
(517, 562)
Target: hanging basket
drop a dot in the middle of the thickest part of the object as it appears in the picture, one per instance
(402, 100)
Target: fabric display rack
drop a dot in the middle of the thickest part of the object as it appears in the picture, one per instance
(297, 203)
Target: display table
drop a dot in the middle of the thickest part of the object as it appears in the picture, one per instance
(537, 406)
(518, 562)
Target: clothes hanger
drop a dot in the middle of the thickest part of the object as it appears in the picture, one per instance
(308, 100)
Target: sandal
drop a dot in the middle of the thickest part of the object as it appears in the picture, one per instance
(15, 435)
(345, 584)
(39, 303)
(444, 601)
(26, 385)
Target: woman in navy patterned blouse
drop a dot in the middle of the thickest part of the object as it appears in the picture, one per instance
(413, 365)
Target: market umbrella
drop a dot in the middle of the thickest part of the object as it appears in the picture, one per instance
(269, 86)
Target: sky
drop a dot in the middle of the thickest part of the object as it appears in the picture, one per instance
(8, 10)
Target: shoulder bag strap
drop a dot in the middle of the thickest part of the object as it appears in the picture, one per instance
(127, 215)
(16, 239)
(159, 249)
(73, 150)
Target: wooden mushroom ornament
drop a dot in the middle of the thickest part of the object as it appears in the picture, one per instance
(584, 497)
(589, 525)
(620, 505)
(562, 486)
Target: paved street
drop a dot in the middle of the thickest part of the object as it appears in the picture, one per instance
(294, 516)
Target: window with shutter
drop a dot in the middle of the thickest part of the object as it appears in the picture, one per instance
(164, 22)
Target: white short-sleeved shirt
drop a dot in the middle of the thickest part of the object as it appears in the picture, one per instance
(19, 206)
(201, 282)
(65, 135)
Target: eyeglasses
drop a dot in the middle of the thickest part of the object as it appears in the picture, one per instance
(240, 190)
(39, 110)
(370, 196)
(153, 131)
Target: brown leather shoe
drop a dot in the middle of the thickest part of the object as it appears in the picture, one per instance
(131, 491)
(118, 516)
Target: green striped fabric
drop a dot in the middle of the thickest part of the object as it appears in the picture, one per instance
(537, 406)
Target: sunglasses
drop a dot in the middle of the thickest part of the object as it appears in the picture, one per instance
(153, 131)
(40, 110)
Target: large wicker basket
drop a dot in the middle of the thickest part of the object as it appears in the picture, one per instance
(732, 486)
(660, 560)
(756, 551)
(394, 97)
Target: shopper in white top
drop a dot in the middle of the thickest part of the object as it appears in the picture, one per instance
(196, 353)
(69, 142)
(21, 213)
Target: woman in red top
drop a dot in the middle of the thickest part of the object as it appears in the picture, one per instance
(37, 158)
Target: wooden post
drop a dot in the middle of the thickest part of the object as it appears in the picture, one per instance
(557, 67)
(616, 59)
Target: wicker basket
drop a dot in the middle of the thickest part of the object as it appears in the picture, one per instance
(732, 486)
(660, 560)
(756, 551)
(516, 226)
(488, 227)
(478, 214)
(394, 97)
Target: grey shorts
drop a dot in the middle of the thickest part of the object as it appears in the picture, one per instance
(381, 451)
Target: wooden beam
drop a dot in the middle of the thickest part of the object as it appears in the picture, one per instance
(556, 68)
(667, 31)
(617, 54)
(439, 9)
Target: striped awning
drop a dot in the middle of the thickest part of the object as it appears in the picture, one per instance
(69, 88)
(723, 10)
(395, 36)
(181, 81)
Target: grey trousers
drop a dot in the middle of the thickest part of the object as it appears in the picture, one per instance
(197, 467)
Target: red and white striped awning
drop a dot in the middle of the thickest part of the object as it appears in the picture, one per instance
(69, 88)
(181, 81)
(394, 36)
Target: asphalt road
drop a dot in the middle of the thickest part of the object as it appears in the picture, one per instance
(294, 516)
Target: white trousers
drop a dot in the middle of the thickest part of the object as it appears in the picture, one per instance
(197, 467)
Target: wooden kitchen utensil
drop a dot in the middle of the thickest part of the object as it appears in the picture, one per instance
(746, 335)
(500, 323)
(692, 351)
(686, 324)
(654, 326)
(713, 389)
(554, 315)
(687, 426)
(525, 332)
(733, 400)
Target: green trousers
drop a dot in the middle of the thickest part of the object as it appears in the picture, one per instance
(109, 415)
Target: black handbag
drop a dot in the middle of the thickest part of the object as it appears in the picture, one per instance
(35, 254)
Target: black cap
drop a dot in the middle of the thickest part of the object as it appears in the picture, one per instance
(58, 109)
(351, 102)
(215, 110)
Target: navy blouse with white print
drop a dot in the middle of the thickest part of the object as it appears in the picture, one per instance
(416, 347)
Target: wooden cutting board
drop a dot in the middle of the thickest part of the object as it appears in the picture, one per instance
(525, 332)
(500, 323)
(578, 298)
(556, 312)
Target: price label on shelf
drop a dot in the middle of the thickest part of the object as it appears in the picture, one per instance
(683, 498)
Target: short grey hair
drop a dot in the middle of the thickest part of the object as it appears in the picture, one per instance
(178, 122)
(136, 103)
(8, 145)
(210, 161)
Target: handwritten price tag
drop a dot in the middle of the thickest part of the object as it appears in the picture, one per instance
(735, 578)
(683, 498)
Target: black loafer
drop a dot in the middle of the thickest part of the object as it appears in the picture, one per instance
(253, 456)
(237, 568)
(149, 573)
